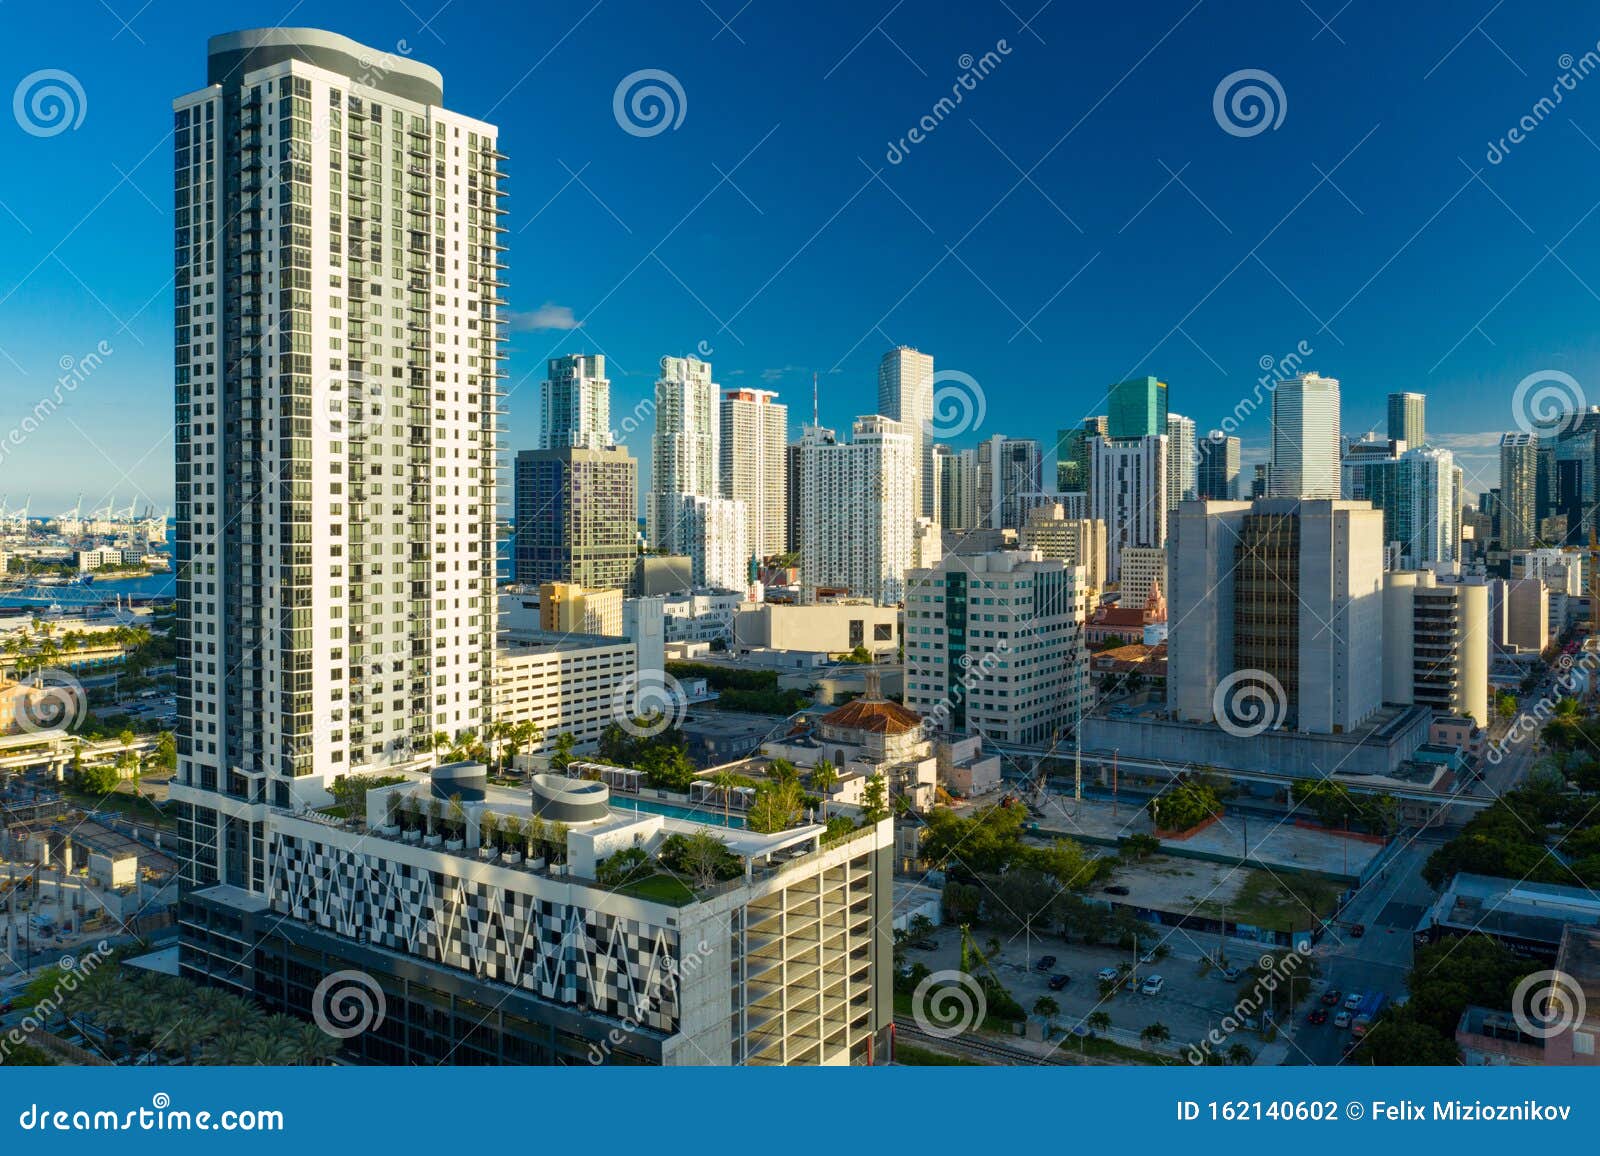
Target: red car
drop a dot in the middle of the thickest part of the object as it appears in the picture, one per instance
(1332, 996)
(1317, 1016)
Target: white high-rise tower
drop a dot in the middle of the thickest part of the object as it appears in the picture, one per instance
(337, 278)
(683, 453)
(575, 404)
(905, 393)
(1305, 438)
(755, 437)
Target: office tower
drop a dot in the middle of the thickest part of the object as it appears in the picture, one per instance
(793, 483)
(1181, 453)
(1416, 490)
(1258, 481)
(855, 511)
(1128, 493)
(1305, 438)
(575, 403)
(683, 452)
(1287, 591)
(1436, 644)
(1023, 677)
(335, 485)
(958, 488)
(1517, 510)
(1009, 469)
(754, 440)
(1406, 418)
(905, 394)
(1137, 408)
(576, 517)
(1364, 468)
(1075, 541)
(712, 532)
(567, 608)
(1569, 454)
(1144, 570)
(1217, 472)
(1072, 454)
(1519, 612)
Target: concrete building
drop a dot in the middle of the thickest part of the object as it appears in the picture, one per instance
(335, 501)
(461, 897)
(575, 403)
(564, 683)
(1144, 572)
(684, 455)
(857, 511)
(905, 395)
(577, 517)
(1517, 511)
(1288, 593)
(1305, 438)
(1137, 408)
(755, 435)
(836, 627)
(1009, 471)
(1521, 615)
(994, 646)
(566, 608)
(957, 472)
(1128, 494)
(711, 531)
(1217, 468)
(1077, 541)
(1407, 418)
(1436, 644)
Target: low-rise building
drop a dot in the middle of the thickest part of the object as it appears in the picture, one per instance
(573, 684)
(833, 627)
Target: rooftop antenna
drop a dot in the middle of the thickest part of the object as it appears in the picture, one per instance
(815, 419)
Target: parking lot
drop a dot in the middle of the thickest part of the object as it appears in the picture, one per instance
(1190, 1004)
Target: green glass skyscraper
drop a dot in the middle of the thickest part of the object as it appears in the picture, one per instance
(1138, 409)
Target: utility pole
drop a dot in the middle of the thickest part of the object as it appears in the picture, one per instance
(1114, 782)
(1077, 773)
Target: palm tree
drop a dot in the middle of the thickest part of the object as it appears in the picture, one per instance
(1098, 1021)
(782, 771)
(1155, 1033)
(1239, 1054)
(313, 1046)
(726, 782)
(824, 778)
(1048, 1008)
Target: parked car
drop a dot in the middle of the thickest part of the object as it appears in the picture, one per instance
(1148, 957)
(1318, 1016)
(1115, 889)
(1332, 996)
(1046, 962)
(1057, 982)
(1107, 975)
(1352, 1001)
(1342, 1020)
(1152, 985)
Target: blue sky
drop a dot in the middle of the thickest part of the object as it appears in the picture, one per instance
(1082, 216)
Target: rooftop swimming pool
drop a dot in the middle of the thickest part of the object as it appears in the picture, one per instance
(674, 811)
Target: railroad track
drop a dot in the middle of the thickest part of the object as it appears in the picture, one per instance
(971, 1045)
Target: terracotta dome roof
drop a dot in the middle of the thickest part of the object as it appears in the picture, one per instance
(874, 715)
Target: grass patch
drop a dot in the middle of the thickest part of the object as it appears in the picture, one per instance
(660, 889)
(123, 804)
(914, 1057)
(1278, 902)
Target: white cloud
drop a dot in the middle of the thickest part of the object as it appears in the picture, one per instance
(547, 316)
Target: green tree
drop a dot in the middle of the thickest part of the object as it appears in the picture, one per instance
(874, 799)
